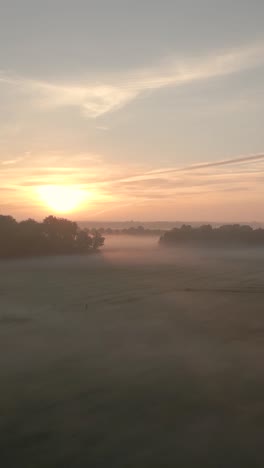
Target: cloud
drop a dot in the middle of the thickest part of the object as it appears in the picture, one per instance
(224, 162)
(114, 92)
(255, 158)
(103, 128)
(234, 175)
(230, 182)
(130, 181)
(8, 162)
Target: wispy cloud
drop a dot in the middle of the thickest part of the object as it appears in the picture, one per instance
(112, 93)
(233, 180)
(91, 170)
(194, 167)
(9, 162)
(236, 175)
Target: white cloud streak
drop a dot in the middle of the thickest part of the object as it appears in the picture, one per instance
(9, 162)
(254, 158)
(113, 93)
(232, 182)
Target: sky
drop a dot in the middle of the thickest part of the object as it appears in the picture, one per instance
(132, 109)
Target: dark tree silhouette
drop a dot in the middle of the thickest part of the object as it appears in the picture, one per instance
(52, 236)
(138, 231)
(60, 233)
(8, 235)
(229, 234)
(83, 240)
(97, 240)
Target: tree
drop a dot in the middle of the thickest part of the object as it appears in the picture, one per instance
(229, 234)
(97, 240)
(60, 233)
(83, 241)
(52, 236)
(8, 235)
(31, 238)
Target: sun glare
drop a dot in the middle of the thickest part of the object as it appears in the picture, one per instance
(62, 199)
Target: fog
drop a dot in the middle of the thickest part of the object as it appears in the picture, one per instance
(138, 356)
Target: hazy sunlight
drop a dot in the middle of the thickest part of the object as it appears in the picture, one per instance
(63, 199)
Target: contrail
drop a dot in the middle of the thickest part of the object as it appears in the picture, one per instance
(224, 162)
(194, 167)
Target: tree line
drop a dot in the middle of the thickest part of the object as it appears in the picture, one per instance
(229, 234)
(131, 231)
(52, 236)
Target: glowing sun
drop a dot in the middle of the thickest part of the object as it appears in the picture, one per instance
(62, 199)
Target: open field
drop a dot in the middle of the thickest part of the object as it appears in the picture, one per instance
(136, 357)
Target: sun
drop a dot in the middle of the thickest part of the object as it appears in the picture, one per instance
(61, 198)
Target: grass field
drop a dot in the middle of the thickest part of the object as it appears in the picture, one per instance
(135, 357)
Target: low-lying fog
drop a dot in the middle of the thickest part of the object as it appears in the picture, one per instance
(140, 356)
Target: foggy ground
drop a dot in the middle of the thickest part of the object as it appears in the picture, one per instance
(137, 357)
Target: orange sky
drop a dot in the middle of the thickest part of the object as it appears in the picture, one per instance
(227, 190)
(132, 110)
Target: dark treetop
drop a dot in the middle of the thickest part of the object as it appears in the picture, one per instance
(233, 234)
(50, 237)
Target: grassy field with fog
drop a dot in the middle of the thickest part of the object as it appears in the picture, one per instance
(139, 357)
